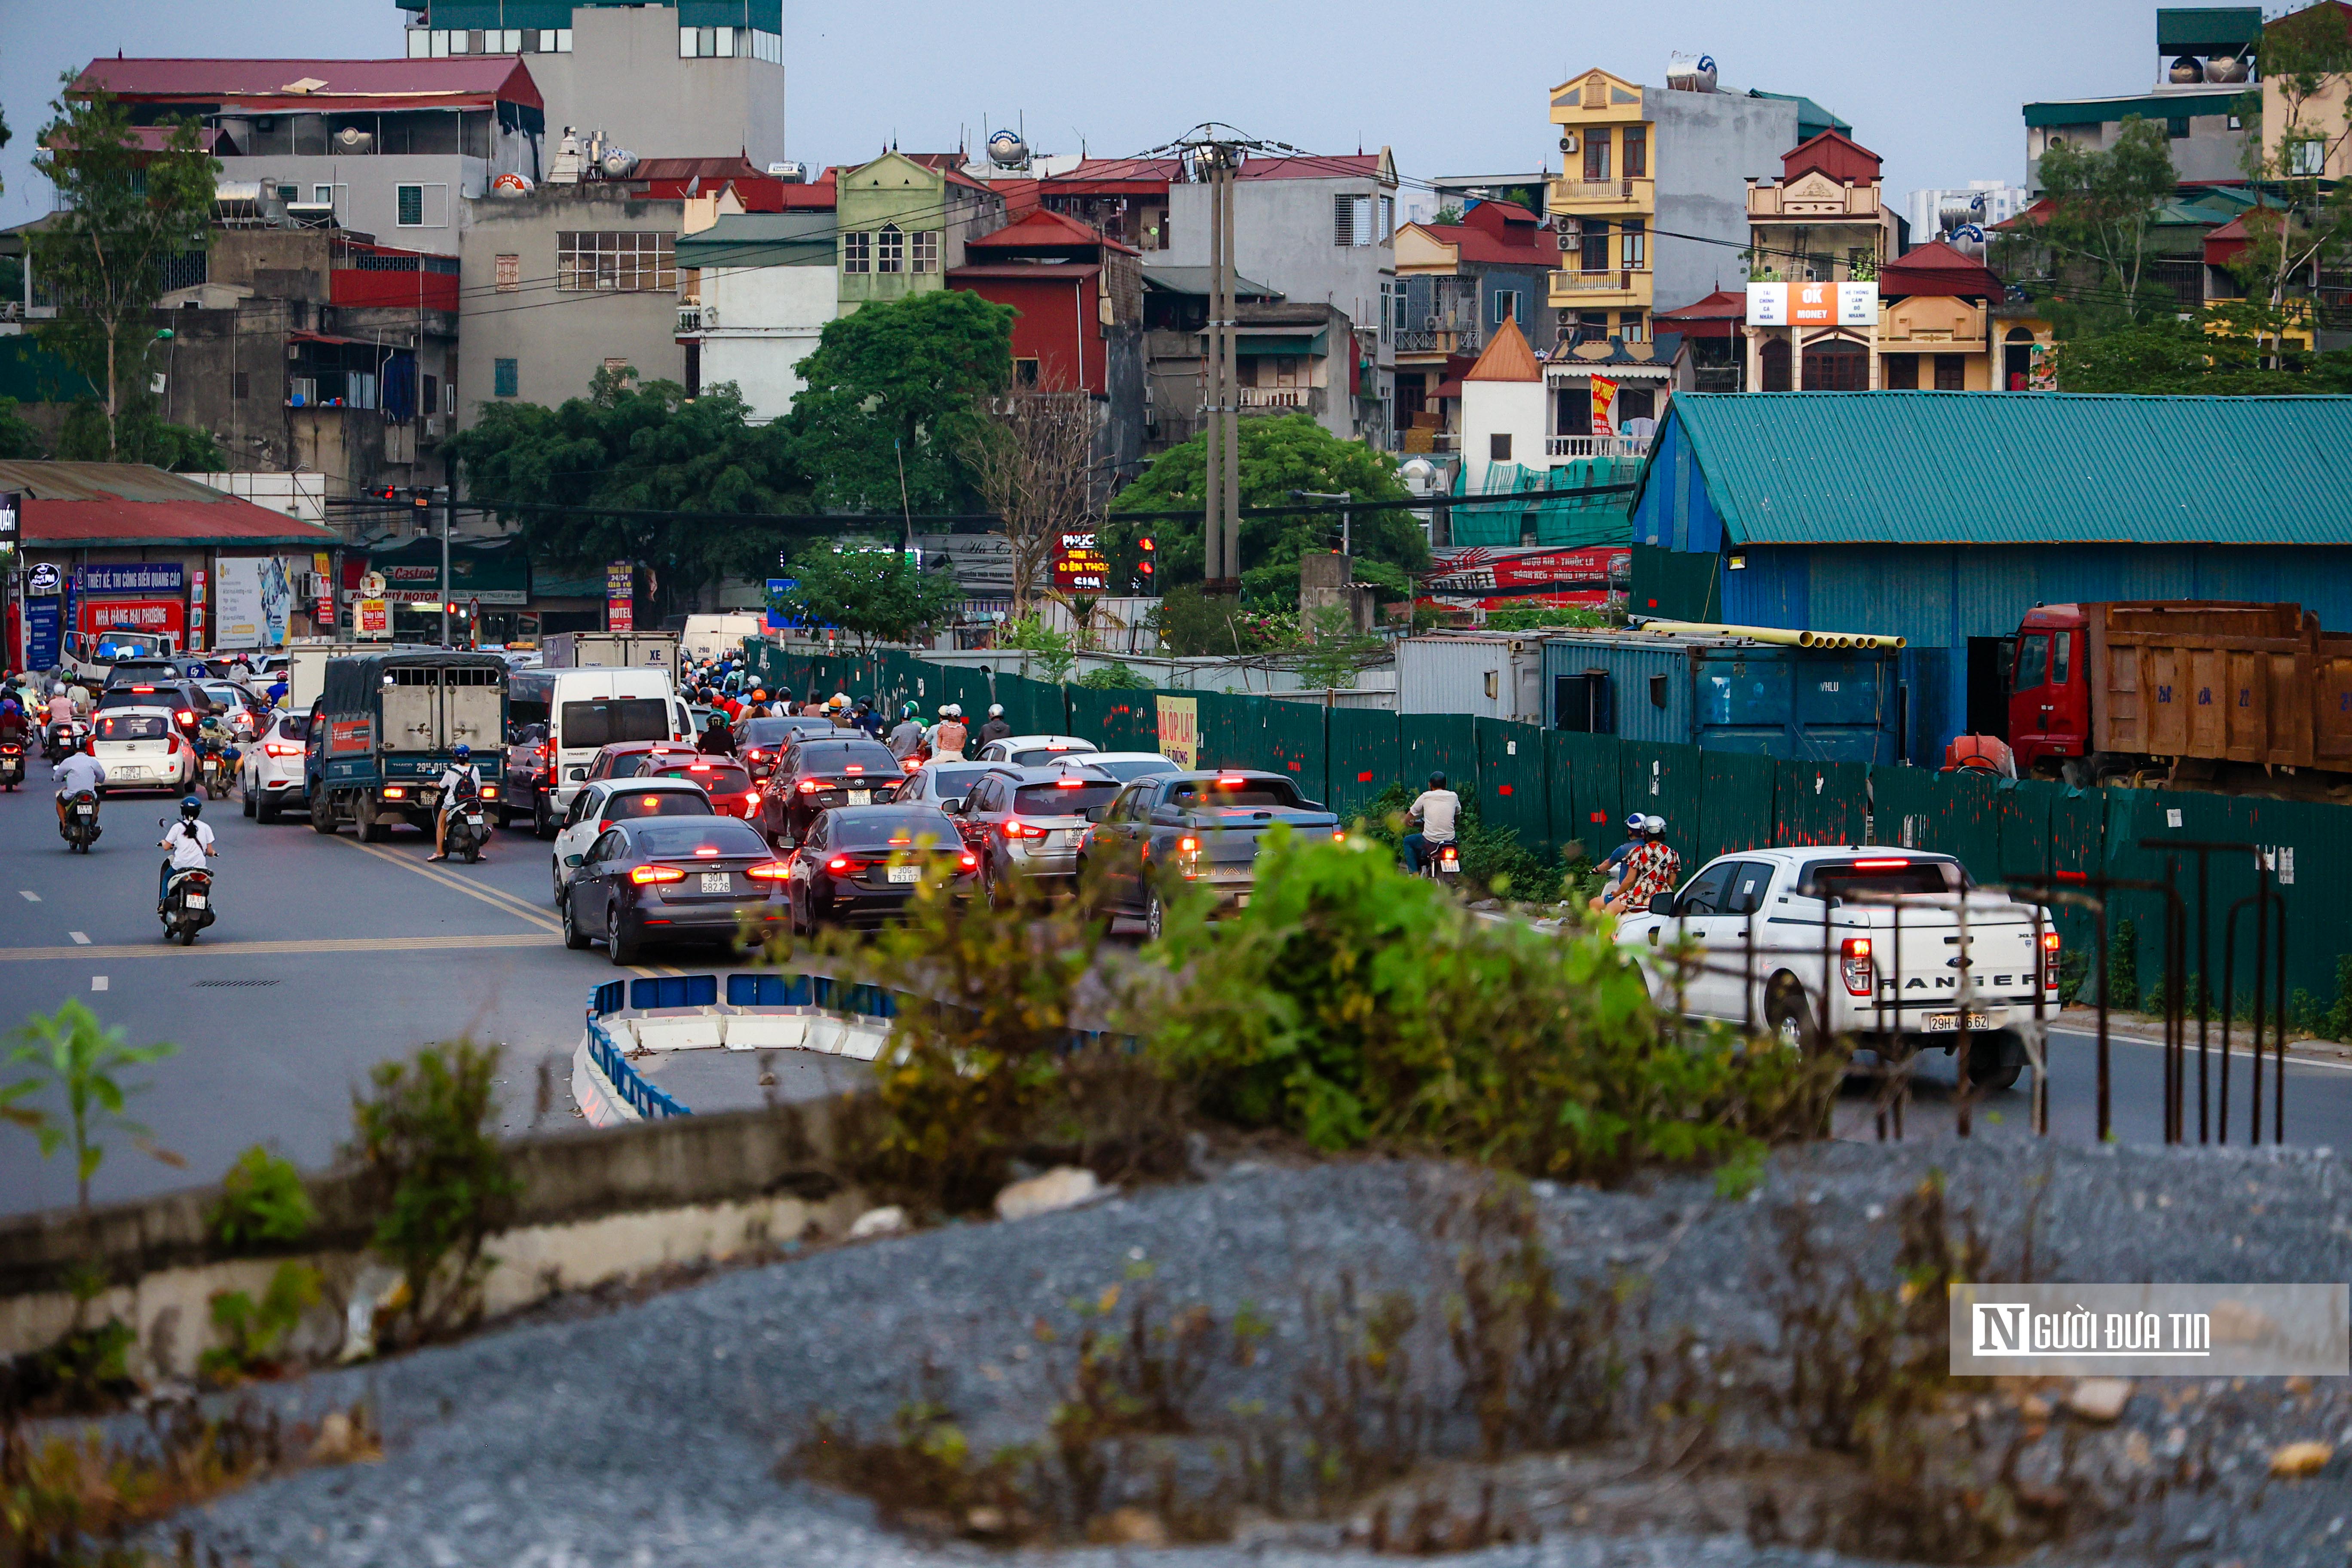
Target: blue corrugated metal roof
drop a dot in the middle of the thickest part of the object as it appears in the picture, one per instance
(1977, 467)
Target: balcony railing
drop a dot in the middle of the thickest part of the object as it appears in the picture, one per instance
(1616, 280)
(1595, 447)
(1274, 398)
(1617, 192)
(1464, 339)
(690, 318)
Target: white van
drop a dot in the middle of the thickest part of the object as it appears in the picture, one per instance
(720, 636)
(587, 709)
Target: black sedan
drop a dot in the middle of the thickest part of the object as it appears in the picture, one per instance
(760, 742)
(859, 865)
(821, 772)
(672, 878)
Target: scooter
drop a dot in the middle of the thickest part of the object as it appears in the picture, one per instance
(187, 906)
(1443, 863)
(217, 773)
(57, 742)
(80, 829)
(467, 831)
(12, 764)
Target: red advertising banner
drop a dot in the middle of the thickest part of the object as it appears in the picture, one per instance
(132, 615)
(620, 597)
(1079, 564)
(351, 736)
(1479, 570)
(1604, 406)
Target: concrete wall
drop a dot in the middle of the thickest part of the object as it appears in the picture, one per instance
(623, 77)
(1520, 409)
(1705, 147)
(770, 319)
(559, 340)
(370, 200)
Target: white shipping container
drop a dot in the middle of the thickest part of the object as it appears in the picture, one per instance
(1493, 676)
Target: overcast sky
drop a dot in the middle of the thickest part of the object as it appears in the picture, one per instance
(1455, 89)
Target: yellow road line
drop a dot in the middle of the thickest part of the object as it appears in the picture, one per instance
(505, 902)
(159, 949)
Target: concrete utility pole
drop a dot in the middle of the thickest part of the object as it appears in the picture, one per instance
(1221, 481)
(1232, 415)
(448, 516)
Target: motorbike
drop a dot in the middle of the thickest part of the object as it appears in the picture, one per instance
(57, 741)
(12, 764)
(1444, 864)
(467, 831)
(80, 829)
(187, 906)
(217, 773)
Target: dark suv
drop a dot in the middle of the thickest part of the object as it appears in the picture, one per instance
(821, 772)
(760, 742)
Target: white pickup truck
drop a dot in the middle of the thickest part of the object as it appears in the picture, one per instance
(1887, 946)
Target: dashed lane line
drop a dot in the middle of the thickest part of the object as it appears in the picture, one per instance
(81, 937)
(265, 949)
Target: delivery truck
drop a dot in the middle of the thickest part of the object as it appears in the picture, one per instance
(386, 725)
(2186, 694)
(612, 650)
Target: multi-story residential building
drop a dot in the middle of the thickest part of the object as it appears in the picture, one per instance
(1943, 210)
(2205, 59)
(1821, 223)
(1319, 230)
(562, 282)
(1175, 349)
(1456, 282)
(392, 148)
(664, 78)
(1647, 202)
(904, 222)
(763, 286)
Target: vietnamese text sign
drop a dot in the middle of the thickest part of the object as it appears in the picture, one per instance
(138, 577)
(1180, 731)
(153, 615)
(373, 619)
(620, 596)
(1605, 406)
(41, 634)
(1822, 304)
(2150, 1330)
(1079, 564)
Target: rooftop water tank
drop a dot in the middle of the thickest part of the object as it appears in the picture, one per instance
(1690, 73)
(790, 173)
(618, 163)
(2225, 68)
(2187, 69)
(352, 138)
(1007, 151)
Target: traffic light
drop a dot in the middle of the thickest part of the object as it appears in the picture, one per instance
(1145, 565)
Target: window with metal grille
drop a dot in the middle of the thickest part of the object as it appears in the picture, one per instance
(924, 252)
(510, 274)
(591, 261)
(1343, 220)
(891, 255)
(506, 378)
(857, 252)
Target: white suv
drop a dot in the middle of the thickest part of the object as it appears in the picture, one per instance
(596, 805)
(270, 772)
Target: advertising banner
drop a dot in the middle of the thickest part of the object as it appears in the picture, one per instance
(41, 649)
(1180, 731)
(1812, 304)
(152, 577)
(1604, 406)
(154, 615)
(1079, 564)
(256, 597)
(197, 612)
(620, 597)
(374, 619)
(322, 610)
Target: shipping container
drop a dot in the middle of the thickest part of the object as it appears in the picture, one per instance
(1728, 694)
(1488, 675)
(612, 650)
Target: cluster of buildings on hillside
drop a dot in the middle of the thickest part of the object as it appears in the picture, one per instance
(502, 211)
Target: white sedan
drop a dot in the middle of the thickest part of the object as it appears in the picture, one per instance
(1124, 766)
(271, 772)
(1031, 751)
(141, 748)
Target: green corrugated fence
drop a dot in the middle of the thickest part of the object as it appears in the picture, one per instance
(1511, 781)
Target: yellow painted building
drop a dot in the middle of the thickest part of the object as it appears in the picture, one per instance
(1604, 202)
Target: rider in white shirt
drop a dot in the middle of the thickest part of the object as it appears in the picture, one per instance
(459, 778)
(1435, 809)
(79, 771)
(190, 840)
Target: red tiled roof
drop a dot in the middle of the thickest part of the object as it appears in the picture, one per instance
(1314, 166)
(1047, 230)
(1024, 272)
(1834, 154)
(1716, 316)
(1936, 268)
(734, 166)
(1518, 241)
(1506, 357)
(345, 84)
(1115, 177)
(227, 520)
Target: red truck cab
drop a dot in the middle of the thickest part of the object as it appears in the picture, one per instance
(2050, 687)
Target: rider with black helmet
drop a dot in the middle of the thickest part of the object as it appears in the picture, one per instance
(1433, 810)
(460, 779)
(190, 840)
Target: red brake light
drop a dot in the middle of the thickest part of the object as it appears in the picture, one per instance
(1069, 783)
(641, 875)
(2050, 941)
(841, 865)
(699, 768)
(911, 765)
(1338, 836)
(603, 824)
(970, 861)
(1855, 952)
(1188, 845)
(707, 850)
(853, 767)
(2050, 959)
(769, 871)
(1231, 784)
(810, 787)
(186, 717)
(282, 749)
(1880, 864)
(142, 689)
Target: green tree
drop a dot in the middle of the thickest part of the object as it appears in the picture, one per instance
(19, 437)
(122, 212)
(2102, 205)
(639, 448)
(1279, 454)
(894, 399)
(2304, 225)
(869, 588)
(138, 434)
(68, 1054)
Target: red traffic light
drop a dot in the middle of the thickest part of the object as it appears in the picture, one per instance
(1145, 544)
(1144, 567)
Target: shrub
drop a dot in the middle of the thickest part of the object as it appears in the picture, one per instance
(1113, 677)
(263, 1202)
(1055, 650)
(252, 1333)
(72, 1054)
(1493, 860)
(425, 1136)
(1350, 1003)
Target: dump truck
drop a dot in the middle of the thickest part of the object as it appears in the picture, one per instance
(385, 726)
(2185, 694)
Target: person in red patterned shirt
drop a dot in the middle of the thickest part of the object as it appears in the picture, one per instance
(1651, 869)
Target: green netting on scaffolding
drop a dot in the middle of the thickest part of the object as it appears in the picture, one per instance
(1570, 520)
(1497, 524)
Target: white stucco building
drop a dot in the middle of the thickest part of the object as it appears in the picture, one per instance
(766, 284)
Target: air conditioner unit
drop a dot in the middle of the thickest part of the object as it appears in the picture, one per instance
(1568, 142)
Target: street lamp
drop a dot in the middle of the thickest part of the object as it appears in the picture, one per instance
(1344, 496)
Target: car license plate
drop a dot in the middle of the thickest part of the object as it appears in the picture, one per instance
(905, 873)
(1066, 838)
(717, 882)
(861, 798)
(1949, 1023)
(130, 771)
(195, 900)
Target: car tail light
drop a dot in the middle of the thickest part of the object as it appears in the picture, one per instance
(1856, 953)
(641, 875)
(769, 871)
(282, 749)
(1069, 783)
(843, 865)
(186, 717)
(1880, 864)
(489, 792)
(603, 824)
(910, 765)
(2050, 945)
(810, 787)
(853, 767)
(1016, 828)
(969, 861)
(698, 768)
(540, 752)
(756, 754)
(1338, 836)
(1188, 845)
(395, 792)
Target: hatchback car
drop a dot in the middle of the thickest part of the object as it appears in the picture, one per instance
(1032, 751)
(942, 785)
(186, 700)
(860, 865)
(821, 772)
(141, 748)
(633, 759)
(760, 742)
(597, 807)
(731, 789)
(270, 771)
(1027, 821)
(666, 878)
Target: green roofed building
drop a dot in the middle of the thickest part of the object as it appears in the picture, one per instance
(1944, 517)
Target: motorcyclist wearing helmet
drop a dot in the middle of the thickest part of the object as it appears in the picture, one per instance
(1435, 810)
(1653, 868)
(867, 716)
(12, 719)
(949, 735)
(212, 735)
(907, 738)
(716, 739)
(79, 771)
(190, 840)
(996, 729)
(1613, 867)
(460, 780)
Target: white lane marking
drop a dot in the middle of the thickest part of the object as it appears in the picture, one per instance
(29, 896)
(98, 983)
(264, 949)
(2238, 1049)
(498, 899)
(81, 937)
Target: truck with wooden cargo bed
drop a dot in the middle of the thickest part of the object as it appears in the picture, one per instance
(2184, 694)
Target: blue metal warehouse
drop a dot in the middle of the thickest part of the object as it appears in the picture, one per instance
(1943, 517)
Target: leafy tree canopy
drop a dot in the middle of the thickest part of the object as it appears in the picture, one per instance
(640, 447)
(1279, 454)
(2224, 350)
(869, 588)
(18, 437)
(2103, 203)
(900, 381)
(140, 434)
